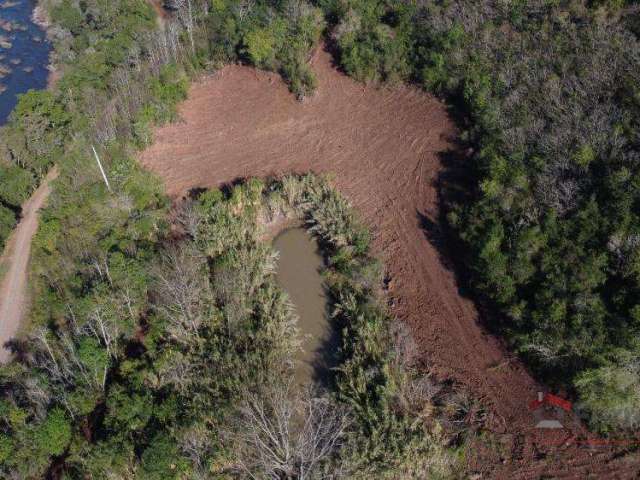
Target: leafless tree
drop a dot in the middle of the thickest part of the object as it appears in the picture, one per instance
(163, 46)
(195, 444)
(178, 370)
(187, 11)
(36, 394)
(244, 8)
(105, 328)
(182, 291)
(189, 218)
(59, 357)
(282, 436)
(237, 282)
(545, 353)
(623, 247)
(556, 192)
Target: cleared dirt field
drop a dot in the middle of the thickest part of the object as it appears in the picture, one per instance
(384, 149)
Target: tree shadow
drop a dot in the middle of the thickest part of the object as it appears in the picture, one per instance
(195, 192)
(19, 349)
(16, 209)
(455, 186)
(227, 187)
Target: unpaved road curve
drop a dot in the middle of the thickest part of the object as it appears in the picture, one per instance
(382, 147)
(13, 285)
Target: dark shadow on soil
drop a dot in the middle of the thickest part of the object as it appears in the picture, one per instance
(456, 185)
(16, 209)
(195, 192)
(331, 47)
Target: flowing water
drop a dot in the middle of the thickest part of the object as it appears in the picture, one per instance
(24, 53)
(298, 274)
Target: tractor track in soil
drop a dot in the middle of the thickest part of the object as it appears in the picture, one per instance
(383, 148)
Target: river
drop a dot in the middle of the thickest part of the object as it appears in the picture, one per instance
(24, 53)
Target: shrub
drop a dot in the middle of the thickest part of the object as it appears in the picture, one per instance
(7, 222)
(15, 185)
(275, 37)
(54, 434)
(260, 46)
(610, 395)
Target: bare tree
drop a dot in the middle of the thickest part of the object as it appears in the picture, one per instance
(105, 328)
(282, 436)
(182, 291)
(237, 282)
(244, 8)
(59, 358)
(164, 46)
(179, 370)
(195, 444)
(186, 13)
(189, 218)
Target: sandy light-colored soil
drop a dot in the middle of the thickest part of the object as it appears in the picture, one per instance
(383, 149)
(15, 262)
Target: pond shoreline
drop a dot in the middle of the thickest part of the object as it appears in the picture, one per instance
(277, 225)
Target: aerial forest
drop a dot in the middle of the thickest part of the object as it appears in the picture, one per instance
(159, 345)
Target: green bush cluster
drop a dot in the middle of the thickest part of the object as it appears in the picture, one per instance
(276, 36)
(373, 40)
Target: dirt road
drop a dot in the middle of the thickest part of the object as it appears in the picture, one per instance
(15, 260)
(383, 148)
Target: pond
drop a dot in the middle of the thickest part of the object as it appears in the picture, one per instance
(24, 53)
(298, 273)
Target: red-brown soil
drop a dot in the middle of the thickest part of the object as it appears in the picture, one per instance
(382, 147)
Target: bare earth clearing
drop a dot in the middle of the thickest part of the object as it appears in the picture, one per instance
(382, 147)
(13, 285)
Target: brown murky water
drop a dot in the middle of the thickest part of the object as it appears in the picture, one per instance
(299, 266)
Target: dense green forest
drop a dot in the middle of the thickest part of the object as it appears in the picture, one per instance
(158, 340)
